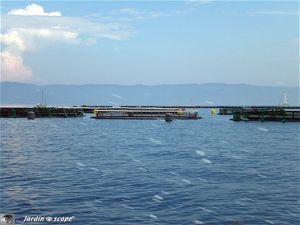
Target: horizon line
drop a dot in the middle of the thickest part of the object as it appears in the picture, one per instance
(150, 85)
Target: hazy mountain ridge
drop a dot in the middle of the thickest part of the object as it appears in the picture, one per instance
(13, 93)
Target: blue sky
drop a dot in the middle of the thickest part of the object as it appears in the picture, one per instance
(161, 42)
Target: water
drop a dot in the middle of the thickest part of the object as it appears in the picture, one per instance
(211, 171)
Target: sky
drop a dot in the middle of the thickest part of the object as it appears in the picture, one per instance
(150, 42)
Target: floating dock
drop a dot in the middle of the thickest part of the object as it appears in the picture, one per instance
(39, 112)
(229, 111)
(184, 112)
(189, 106)
(233, 109)
(145, 113)
(262, 115)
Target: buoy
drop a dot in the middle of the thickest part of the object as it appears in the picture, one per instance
(169, 117)
(179, 112)
(213, 111)
(31, 115)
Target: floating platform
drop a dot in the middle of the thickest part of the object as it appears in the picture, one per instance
(88, 107)
(40, 112)
(233, 109)
(229, 111)
(240, 113)
(145, 113)
(223, 109)
(262, 115)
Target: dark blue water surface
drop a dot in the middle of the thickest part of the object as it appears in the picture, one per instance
(210, 171)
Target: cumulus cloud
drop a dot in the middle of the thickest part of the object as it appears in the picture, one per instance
(12, 40)
(22, 31)
(18, 40)
(33, 10)
(13, 69)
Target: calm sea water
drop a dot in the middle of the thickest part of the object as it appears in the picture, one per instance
(211, 171)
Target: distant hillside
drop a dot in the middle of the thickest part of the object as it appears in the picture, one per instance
(188, 94)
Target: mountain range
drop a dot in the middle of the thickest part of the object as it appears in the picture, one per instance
(14, 93)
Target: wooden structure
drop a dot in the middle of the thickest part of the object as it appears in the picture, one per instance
(267, 115)
(145, 113)
(229, 111)
(223, 109)
(22, 112)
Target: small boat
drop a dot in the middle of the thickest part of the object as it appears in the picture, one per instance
(43, 104)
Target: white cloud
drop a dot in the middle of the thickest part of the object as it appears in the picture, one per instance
(131, 14)
(13, 69)
(122, 14)
(33, 10)
(18, 40)
(21, 39)
(12, 40)
(22, 34)
(51, 34)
